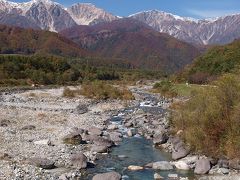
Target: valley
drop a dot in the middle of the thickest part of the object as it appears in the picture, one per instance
(88, 94)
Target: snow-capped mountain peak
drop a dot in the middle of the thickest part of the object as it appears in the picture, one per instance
(50, 15)
(87, 13)
(219, 30)
(161, 14)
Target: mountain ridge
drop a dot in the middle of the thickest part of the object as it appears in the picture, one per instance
(52, 16)
(134, 41)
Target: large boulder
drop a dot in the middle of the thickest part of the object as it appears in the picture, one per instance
(234, 164)
(223, 163)
(160, 138)
(115, 137)
(107, 176)
(181, 165)
(95, 131)
(179, 148)
(81, 109)
(202, 166)
(99, 149)
(180, 153)
(90, 138)
(73, 138)
(79, 161)
(162, 165)
(42, 163)
(100, 141)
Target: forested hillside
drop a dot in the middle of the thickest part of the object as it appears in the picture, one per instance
(15, 40)
(217, 61)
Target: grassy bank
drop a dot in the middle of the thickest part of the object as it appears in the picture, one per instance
(210, 119)
(169, 89)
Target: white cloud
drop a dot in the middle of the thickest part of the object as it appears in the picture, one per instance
(211, 13)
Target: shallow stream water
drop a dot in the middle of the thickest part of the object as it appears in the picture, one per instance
(136, 150)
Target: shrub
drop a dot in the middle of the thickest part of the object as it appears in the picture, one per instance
(67, 92)
(101, 90)
(165, 87)
(210, 119)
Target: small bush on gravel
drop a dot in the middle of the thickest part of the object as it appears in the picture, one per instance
(210, 119)
(101, 90)
(69, 93)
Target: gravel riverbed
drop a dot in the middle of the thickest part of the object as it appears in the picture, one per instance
(47, 136)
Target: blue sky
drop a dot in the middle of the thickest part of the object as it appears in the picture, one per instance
(190, 8)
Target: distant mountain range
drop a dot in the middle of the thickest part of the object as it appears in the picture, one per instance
(129, 40)
(49, 15)
(220, 30)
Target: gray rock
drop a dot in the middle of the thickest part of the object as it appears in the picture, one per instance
(129, 124)
(42, 163)
(29, 127)
(160, 138)
(162, 165)
(100, 141)
(73, 138)
(81, 109)
(180, 153)
(149, 165)
(79, 130)
(157, 176)
(4, 123)
(90, 138)
(112, 127)
(135, 168)
(115, 137)
(99, 149)
(95, 131)
(202, 166)
(5, 157)
(172, 176)
(220, 177)
(63, 177)
(223, 163)
(223, 171)
(43, 142)
(107, 176)
(181, 165)
(131, 132)
(79, 161)
(234, 164)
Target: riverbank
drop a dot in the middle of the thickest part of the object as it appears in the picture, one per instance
(48, 136)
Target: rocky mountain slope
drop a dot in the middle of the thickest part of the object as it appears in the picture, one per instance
(221, 30)
(134, 41)
(49, 15)
(86, 14)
